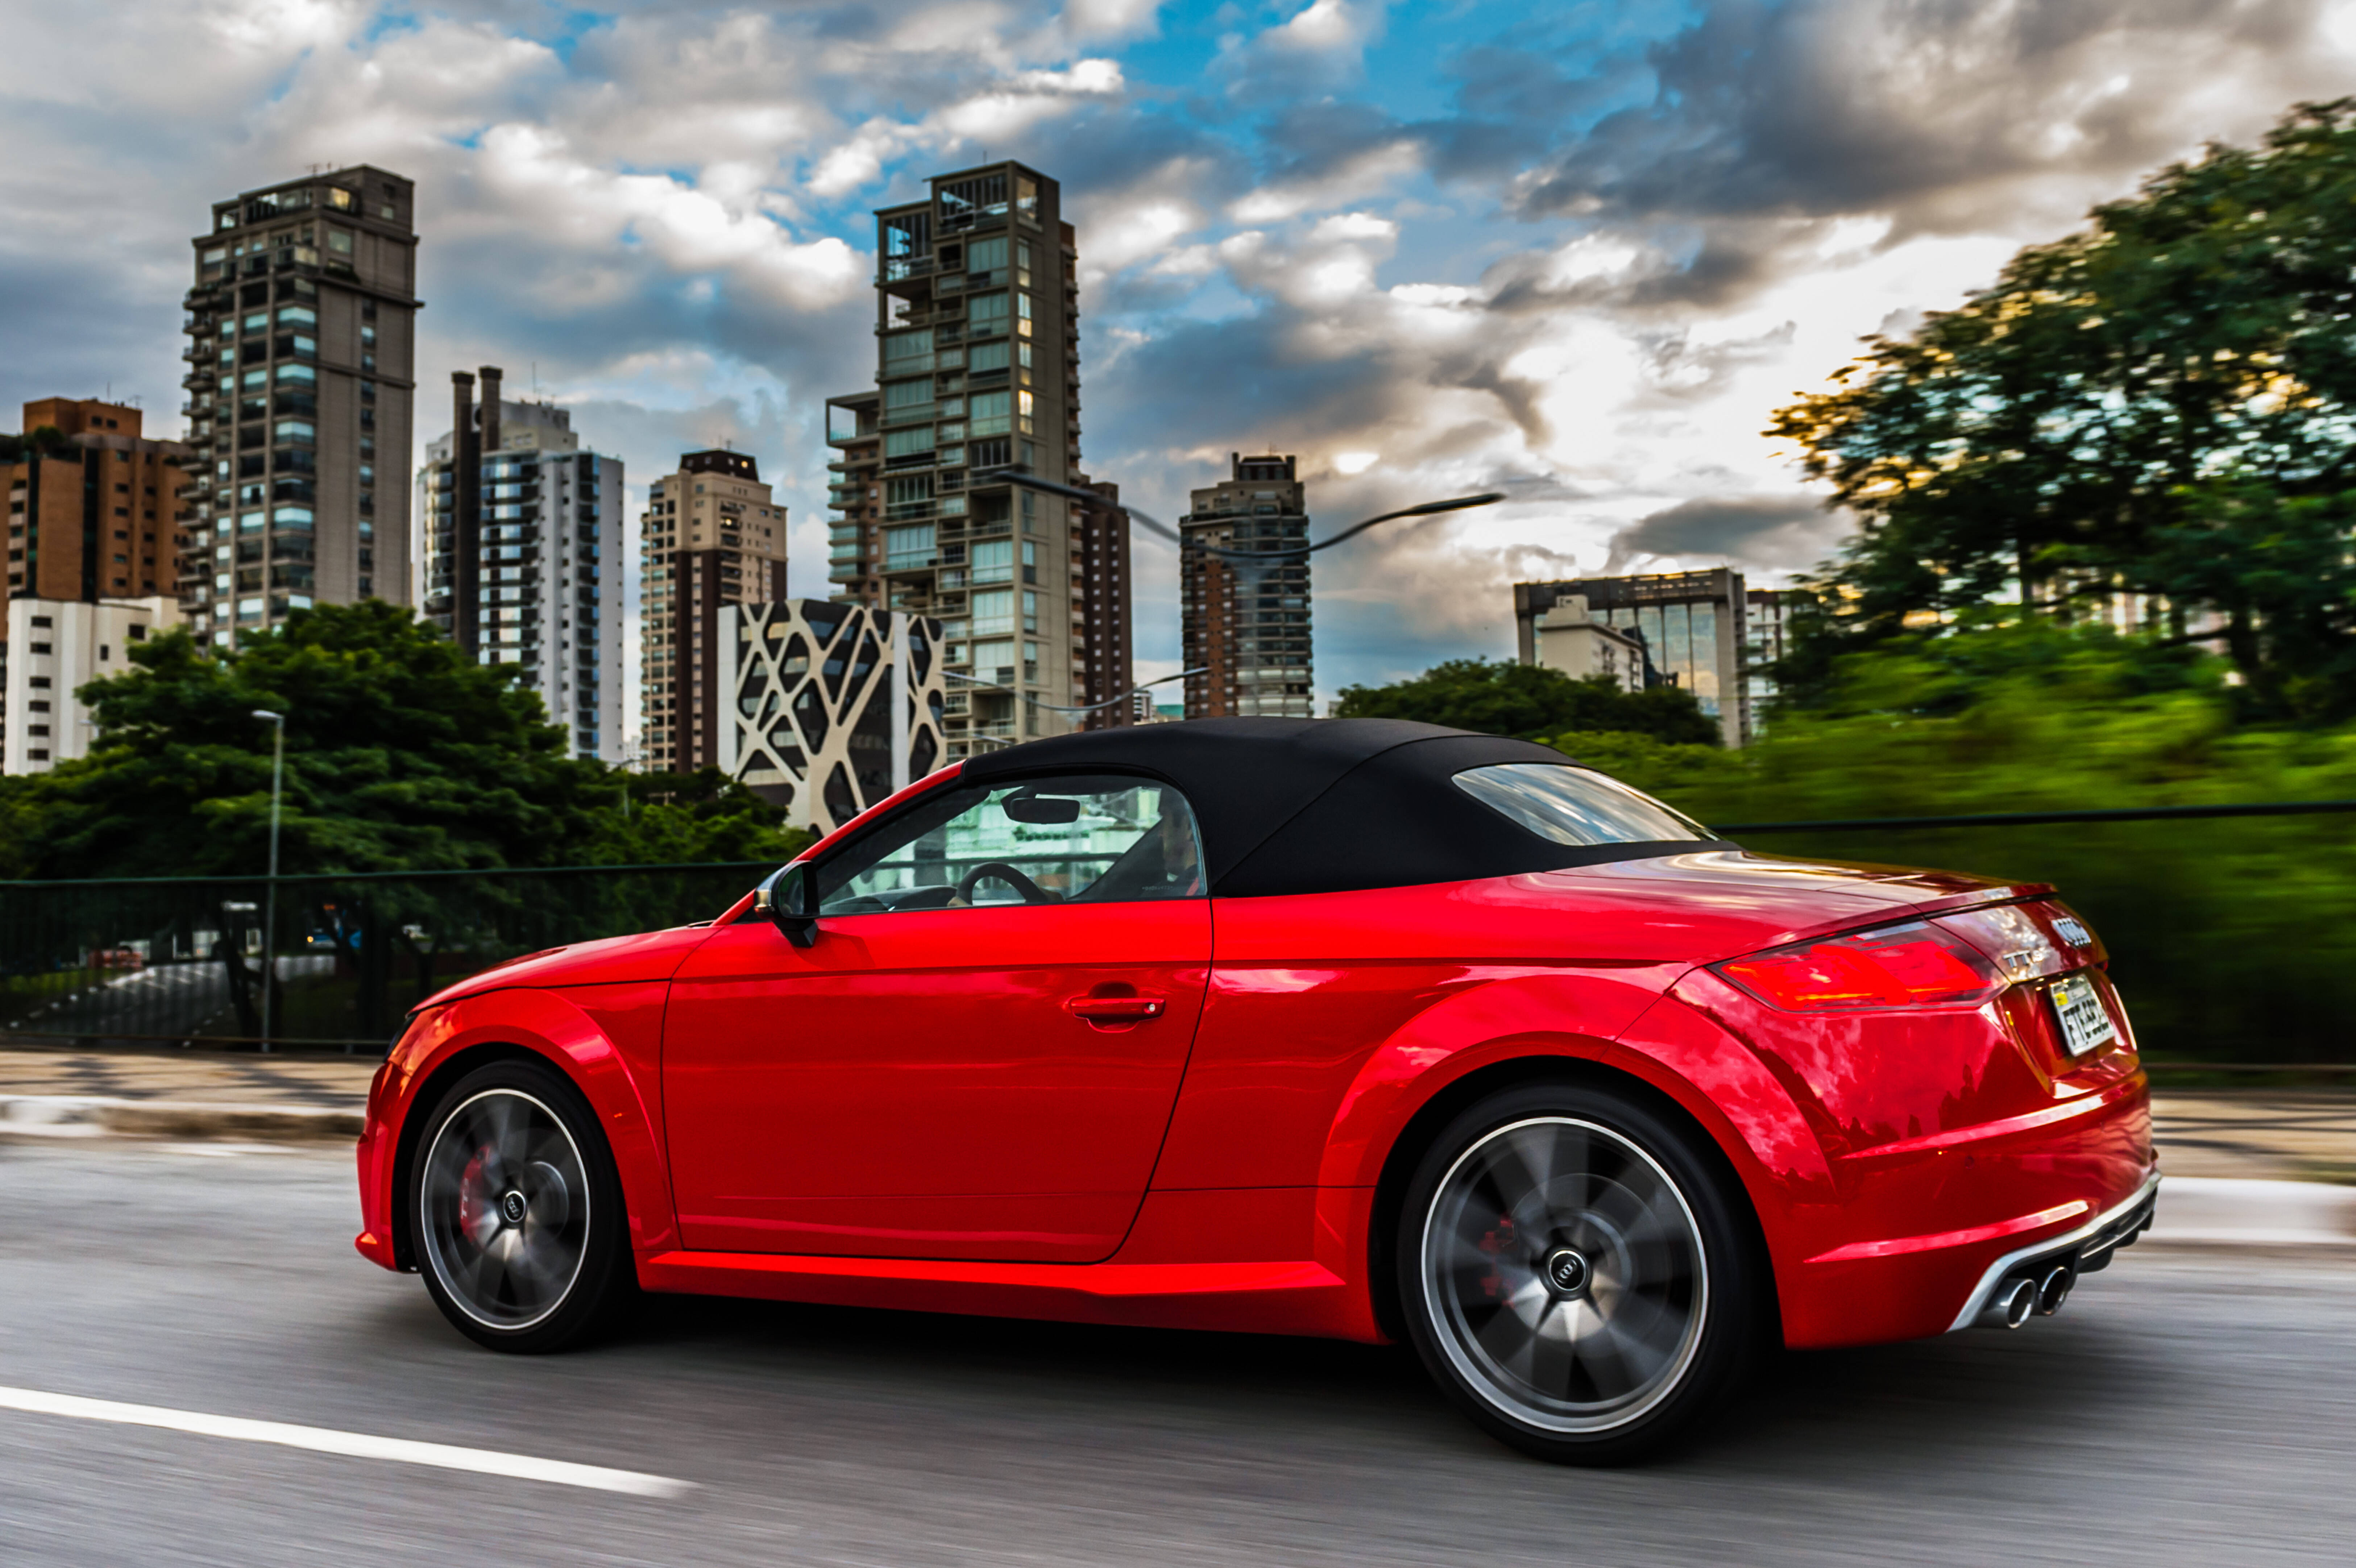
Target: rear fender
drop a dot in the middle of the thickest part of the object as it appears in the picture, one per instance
(1665, 1045)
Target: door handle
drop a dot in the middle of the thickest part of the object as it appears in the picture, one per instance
(1116, 1009)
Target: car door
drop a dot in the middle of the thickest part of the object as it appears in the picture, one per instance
(976, 1055)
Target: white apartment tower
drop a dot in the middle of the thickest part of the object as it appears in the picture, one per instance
(546, 591)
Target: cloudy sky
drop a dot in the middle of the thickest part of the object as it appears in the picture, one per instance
(1574, 252)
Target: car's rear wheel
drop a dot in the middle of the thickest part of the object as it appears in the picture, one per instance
(521, 1234)
(1575, 1273)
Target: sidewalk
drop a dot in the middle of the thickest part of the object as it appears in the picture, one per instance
(184, 1094)
(2257, 1134)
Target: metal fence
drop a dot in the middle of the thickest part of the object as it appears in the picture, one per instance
(2234, 940)
(180, 961)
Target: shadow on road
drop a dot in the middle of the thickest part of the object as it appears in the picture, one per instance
(1974, 1394)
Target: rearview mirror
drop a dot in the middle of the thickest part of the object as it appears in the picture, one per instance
(789, 900)
(1042, 810)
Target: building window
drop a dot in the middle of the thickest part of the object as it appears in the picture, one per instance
(991, 413)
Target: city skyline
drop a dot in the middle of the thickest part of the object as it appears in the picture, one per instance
(1430, 251)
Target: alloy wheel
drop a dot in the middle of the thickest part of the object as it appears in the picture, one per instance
(1565, 1274)
(504, 1209)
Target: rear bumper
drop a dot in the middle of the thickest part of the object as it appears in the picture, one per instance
(1922, 1236)
(2083, 1251)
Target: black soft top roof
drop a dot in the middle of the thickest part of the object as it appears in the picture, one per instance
(1322, 805)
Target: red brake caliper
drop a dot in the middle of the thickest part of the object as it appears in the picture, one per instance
(1493, 1243)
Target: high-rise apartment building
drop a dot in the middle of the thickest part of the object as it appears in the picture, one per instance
(301, 376)
(548, 553)
(1247, 623)
(978, 373)
(711, 536)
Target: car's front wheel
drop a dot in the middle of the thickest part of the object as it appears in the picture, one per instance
(1575, 1274)
(520, 1230)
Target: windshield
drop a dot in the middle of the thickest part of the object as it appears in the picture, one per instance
(1563, 804)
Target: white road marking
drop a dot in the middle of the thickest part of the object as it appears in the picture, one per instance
(355, 1444)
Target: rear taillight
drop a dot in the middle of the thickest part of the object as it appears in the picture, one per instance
(1913, 965)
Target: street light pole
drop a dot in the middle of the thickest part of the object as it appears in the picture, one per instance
(269, 898)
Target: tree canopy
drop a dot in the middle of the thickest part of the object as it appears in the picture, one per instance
(401, 755)
(2161, 405)
(1530, 701)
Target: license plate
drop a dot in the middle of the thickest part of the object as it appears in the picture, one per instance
(2085, 1022)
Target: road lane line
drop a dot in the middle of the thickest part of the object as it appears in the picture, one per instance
(355, 1445)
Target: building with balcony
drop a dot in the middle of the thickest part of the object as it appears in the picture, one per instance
(1245, 623)
(710, 537)
(976, 330)
(300, 379)
(510, 489)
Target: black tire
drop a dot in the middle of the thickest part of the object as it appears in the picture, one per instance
(520, 1230)
(1577, 1274)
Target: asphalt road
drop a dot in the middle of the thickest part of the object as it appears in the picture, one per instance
(2187, 1407)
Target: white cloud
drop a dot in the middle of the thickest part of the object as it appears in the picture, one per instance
(1590, 301)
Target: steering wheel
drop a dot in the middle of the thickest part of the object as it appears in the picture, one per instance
(1031, 892)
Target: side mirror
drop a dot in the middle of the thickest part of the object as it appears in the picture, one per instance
(788, 899)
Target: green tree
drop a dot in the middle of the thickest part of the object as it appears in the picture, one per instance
(2159, 404)
(676, 819)
(1530, 701)
(41, 441)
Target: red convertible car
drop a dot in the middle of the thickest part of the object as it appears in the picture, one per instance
(1349, 1027)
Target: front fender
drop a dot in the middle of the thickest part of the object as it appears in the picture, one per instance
(605, 1038)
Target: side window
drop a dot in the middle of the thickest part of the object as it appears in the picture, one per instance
(1077, 839)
